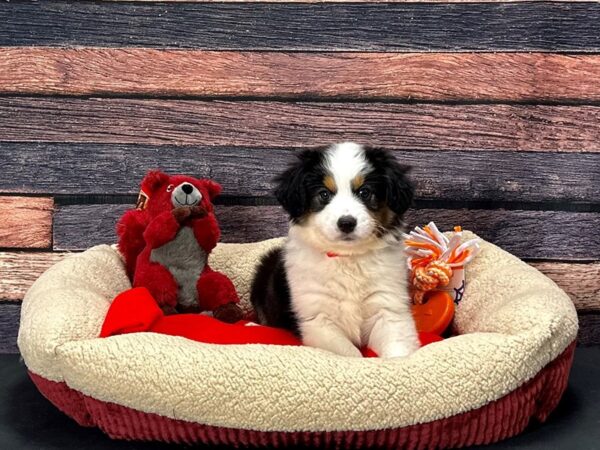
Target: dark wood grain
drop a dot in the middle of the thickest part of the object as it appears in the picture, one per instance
(345, 1)
(545, 26)
(527, 234)
(82, 169)
(589, 329)
(282, 124)
(414, 76)
(10, 317)
(238, 224)
(25, 222)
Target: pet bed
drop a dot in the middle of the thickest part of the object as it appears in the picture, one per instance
(508, 365)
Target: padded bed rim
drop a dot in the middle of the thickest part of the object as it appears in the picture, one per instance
(500, 419)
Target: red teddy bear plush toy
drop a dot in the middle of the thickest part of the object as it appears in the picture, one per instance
(166, 241)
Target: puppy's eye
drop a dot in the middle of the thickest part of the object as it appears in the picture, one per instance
(365, 193)
(324, 194)
(170, 188)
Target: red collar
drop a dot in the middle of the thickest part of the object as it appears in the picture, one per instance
(333, 255)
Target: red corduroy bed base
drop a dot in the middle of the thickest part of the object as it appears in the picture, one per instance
(497, 420)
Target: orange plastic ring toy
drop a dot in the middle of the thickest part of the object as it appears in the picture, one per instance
(435, 314)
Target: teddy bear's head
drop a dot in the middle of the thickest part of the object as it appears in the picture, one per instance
(161, 192)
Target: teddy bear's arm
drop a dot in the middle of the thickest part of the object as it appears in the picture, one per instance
(130, 230)
(207, 232)
(161, 230)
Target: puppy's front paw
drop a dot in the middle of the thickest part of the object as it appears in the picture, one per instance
(332, 342)
(347, 350)
(398, 349)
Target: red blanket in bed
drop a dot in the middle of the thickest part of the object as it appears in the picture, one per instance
(135, 311)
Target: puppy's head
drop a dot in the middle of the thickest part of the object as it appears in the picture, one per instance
(345, 197)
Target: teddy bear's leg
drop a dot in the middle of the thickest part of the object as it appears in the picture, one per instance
(215, 289)
(161, 284)
(217, 293)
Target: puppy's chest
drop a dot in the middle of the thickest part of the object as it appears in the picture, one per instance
(342, 287)
(349, 279)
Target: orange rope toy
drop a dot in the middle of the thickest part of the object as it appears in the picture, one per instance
(437, 262)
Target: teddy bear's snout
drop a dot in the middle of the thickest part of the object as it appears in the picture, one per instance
(185, 194)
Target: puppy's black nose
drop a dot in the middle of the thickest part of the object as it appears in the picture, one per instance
(187, 188)
(346, 224)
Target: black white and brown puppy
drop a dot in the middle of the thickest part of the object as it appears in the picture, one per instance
(339, 281)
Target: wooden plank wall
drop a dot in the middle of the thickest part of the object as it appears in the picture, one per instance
(496, 105)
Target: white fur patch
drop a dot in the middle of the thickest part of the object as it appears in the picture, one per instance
(344, 162)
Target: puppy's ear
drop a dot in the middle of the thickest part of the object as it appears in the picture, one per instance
(291, 190)
(400, 190)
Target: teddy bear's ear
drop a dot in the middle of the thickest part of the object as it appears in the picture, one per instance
(213, 188)
(153, 180)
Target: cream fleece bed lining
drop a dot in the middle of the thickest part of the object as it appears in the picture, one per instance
(512, 322)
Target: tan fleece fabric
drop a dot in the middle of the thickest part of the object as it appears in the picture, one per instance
(513, 322)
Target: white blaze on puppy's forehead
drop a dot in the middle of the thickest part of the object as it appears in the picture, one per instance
(345, 162)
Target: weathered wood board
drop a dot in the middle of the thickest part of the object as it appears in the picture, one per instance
(345, 1)
(10, 316)
(83, 169)
(580, 281)
(408, 76)
(388, 27)
(589, 329)
(301, 124)
(25, 222)
(528, 234)
(18, 271)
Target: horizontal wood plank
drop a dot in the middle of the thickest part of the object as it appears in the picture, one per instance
(238, 224)
(589, 329)
(18, 271)
(25, 222)
(530, 26)
(83, 169)
(10, 316)
(527, 234)
(342, 1)
(411, 76)
(580, 280)
(282, 124)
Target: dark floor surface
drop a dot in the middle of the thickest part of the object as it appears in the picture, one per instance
(29, 421)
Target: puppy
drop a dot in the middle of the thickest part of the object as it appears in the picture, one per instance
(340, 280)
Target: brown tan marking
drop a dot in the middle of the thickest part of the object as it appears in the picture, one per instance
(357, 182)
(385, 219)
(329, 183)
